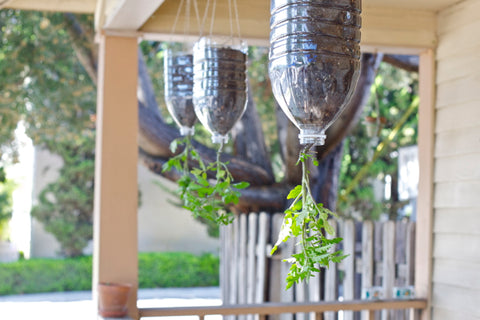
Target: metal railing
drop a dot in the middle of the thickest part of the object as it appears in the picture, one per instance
(277, 308)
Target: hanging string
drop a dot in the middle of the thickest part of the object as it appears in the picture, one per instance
(176, 18)
(186, 27)
(237, 19)
(197, 15)
(204, 19)
(213, 16)
(230, 17)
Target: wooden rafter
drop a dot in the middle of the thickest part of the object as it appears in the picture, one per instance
(130, 14)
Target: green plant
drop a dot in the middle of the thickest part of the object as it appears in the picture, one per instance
(308, 221)
(203, 198)
(393, 93)
(66, 205)
(156, 270)
(6, 190)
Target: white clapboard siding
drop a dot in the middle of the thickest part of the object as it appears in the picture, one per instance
(458, 142)
(458, 16)
(457, 298)
(453, 118)
(441, 313)
(457, 247)
(457, 39)
(452, 220)
(458, 194)
(457, 273)
(460, 168)
(458, 91)
(462, 64)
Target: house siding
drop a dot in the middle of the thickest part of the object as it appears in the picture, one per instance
(456, 242)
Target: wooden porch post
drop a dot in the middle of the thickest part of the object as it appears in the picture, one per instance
(426, 140)
(115, 209)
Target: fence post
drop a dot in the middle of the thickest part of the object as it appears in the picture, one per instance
(388, 264)
(251, 258)
(349, 282)
(331, 283)
(263, 233)
(367, 262)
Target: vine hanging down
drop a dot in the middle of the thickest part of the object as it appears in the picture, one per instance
(307, 221)
(204, 198)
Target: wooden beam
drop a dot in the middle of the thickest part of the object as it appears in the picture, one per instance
(278, 308)
(397, 30)
(426, 143)
(77, 6)
(115, 207)
(384, 29)
(130, 14)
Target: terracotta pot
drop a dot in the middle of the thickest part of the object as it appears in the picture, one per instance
(113, 299)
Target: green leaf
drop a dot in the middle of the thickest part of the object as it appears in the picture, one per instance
(241, 185)
(294, 192)
(174, 145)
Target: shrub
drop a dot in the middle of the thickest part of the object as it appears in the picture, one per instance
(156, 270)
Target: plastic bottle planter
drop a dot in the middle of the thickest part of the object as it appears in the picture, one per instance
(179, 90)
(220, 88)
(314, 61)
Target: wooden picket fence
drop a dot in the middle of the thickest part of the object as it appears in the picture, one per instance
(381, 255)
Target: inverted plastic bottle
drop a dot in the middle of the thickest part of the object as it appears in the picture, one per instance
(314, 61)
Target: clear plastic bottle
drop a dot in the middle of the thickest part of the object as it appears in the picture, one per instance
(220, 89)
(314, 61)
(179, 89)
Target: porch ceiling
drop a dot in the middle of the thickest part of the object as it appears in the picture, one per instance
(387, 24)
(88, 6)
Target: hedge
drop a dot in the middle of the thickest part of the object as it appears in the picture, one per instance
(156, 270)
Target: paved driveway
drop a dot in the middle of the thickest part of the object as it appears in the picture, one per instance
(79, 305)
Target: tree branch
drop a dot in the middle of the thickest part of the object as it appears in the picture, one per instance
(289, 146)
(408, 63)
(82, 45)
(249, 140)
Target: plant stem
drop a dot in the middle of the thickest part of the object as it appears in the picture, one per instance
(187, 153)
(219, 152)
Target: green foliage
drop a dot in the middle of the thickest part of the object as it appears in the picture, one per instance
(42, 80)
(392, 93)
(44, 84)
(156, 270)
(66, 205)
(173, 269)
(308, 221)
(45, 275)
(6, 190)
(206, 200)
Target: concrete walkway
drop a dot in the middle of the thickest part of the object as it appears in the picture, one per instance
(79, 305)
